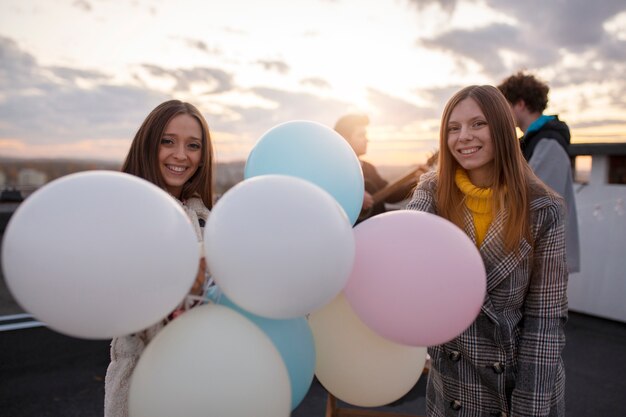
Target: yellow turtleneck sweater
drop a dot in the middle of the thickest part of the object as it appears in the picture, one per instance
(478, 201)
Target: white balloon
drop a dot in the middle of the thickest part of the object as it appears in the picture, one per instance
(279, 246)
(99, 254)
(211, 361)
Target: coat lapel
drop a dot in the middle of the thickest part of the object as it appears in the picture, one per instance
(499, 262)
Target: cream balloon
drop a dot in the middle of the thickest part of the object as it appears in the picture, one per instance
(279, 246)
(211, 361)
(99, 254)
(355, 364)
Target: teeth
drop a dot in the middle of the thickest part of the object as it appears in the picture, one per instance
(176, 169)
(468, 151)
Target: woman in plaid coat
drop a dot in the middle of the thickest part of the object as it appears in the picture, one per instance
(508, 362)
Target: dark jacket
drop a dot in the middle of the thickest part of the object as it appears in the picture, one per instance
(553, 129)
(373, 183)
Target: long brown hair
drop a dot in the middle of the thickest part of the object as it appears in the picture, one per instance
(511, 174)
(142, 158)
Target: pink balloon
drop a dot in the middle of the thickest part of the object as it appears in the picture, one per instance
(417, 279)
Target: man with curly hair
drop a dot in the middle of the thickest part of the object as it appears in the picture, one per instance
(545, 146)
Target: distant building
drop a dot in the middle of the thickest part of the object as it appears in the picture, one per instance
(29, 177)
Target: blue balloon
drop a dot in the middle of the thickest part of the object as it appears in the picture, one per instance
(293, 339)
(313, 152)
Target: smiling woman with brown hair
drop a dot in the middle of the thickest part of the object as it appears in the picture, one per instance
(508, 362)
(172, 149)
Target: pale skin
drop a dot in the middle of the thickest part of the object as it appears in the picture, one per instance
(470, 143)
(180, 156)
(523, 115)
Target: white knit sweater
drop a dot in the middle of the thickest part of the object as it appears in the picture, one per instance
(126, 350)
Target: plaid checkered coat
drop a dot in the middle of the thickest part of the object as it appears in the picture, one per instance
(508, 362)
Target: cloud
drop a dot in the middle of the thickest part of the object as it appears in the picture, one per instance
(234, 31)
(18, 69)
(439, 96)
(43, 105)
(481, 45)
(72, 74)
(575, 24)
(542, 34)
(46, 105)
(448, 5)
(83, 5)
(68, 115)
(287, 106)
(218, 81)
(396, 111)
(315, 82)
(198, 45)
(588, 74)
(612, 49)
(278, 66)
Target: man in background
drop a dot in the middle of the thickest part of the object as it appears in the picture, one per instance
(353, 127)
(545, 146)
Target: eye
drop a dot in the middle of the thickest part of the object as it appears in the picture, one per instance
(453, 128)
(480, 123)
(167, 141)
(195, 146)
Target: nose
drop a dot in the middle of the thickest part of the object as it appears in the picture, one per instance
(465, 134)
(179, 151)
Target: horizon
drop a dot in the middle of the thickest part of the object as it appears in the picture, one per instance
(79, 76)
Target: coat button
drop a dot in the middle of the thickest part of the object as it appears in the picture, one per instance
(455, 405)
(454, 356)
(498, 367)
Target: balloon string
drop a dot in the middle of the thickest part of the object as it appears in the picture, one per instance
(191, 299)
(210, 294)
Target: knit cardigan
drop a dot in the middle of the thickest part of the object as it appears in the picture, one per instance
(126, 350)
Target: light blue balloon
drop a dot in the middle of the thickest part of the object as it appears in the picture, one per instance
(293, 340)
(313, 152)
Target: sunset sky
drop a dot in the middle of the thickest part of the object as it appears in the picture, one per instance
(77, 77)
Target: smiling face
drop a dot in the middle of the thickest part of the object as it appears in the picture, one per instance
(469, 141)
(180, 152)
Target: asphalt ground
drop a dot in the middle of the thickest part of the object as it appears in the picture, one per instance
(44, 373)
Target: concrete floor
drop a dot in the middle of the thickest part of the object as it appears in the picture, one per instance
(43, 373)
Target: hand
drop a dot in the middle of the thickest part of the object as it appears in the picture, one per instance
(368, 201)
(196, 289)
